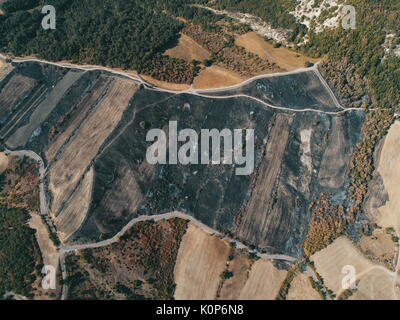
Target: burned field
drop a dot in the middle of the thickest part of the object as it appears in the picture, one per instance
(297, 91)
(90, 128)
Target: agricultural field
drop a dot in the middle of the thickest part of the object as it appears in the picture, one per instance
(382, 205)
(201, 260)
(373, 281)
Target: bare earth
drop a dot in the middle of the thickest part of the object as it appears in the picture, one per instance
(201, 260)
(49, 251)
(375, 285)
(5, 68)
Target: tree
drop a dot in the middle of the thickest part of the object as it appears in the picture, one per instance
(226, 275)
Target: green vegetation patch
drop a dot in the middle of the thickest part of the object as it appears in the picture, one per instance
(20, 258)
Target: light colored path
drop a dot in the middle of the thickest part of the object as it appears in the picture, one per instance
(203, 92)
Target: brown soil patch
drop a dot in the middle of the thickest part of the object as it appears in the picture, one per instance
(188, 49)
(283, 57)
(216, 77)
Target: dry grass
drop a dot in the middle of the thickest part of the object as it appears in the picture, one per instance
(379, 247)
(240, 267)
(389, 169)
(3, 162)
(86, 143)
(188, 50)
(165, 84)
(264, 282)
(283, 57)
(301, 289)
(330, 262)
(216, 77)
(74, 213)
(201, 260)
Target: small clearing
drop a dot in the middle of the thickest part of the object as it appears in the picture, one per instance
(188, 50)
(283, 57)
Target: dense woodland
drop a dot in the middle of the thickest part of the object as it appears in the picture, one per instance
(19, 253)
(21, 261)
(116, 33)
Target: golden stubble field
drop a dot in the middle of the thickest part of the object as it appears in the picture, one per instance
(203, 257)
(374, 280)
(389, 169)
